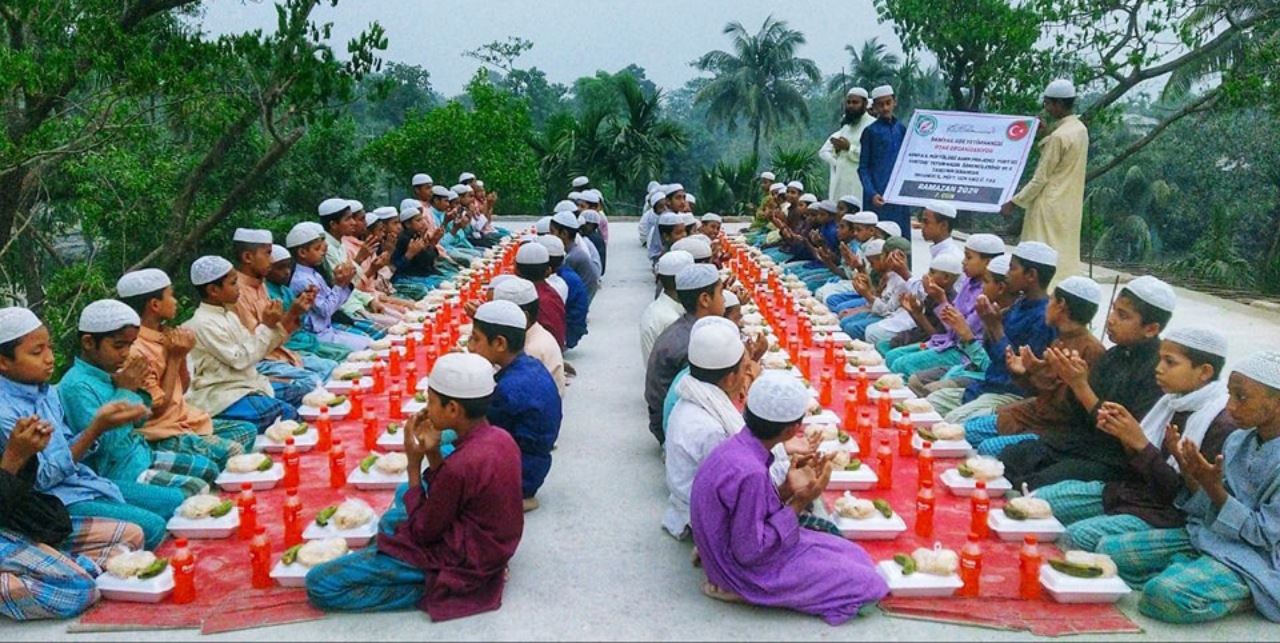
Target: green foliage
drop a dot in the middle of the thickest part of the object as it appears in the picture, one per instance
(800, 164)
(729, 188)
(869, 67)
(1215, 258)
(69, 290)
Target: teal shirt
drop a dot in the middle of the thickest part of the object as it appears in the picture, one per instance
(669, 402)
(121, 453)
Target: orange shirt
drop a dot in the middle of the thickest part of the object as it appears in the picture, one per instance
(170, 413)
(253, 302)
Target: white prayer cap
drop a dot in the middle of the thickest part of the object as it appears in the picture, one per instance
(653, 185)
(942, 208)
(141, 282)
(853, 202)
(589, 216)
(655, 197)
(208, 269)
(566, 220)
(827, 206)
(673, 261)
(478, 183)
(668, 218)
(777, 187)
(592, 196)
(697, 276)
(502, 313)
(984, 243)
(249, 235)
(462, 376)
(999, 266)
(1201, 339)
(453, 196)
(890, 228)
(302, 234)
(330, 207)
(1036, 252)
(514, 289)
(1262, 367)
(553, 244)
(574, 196)
(422, 179)
(857, 91)
(1082, 287)
(866, 217)
(439, 190)
(542, 226)
(690, 198)
(809, 198)
(1153, 291)
(687, 218)
(533, 254)
(714, 343)
(461, 189)
(948, 262)
(565, 206)
(465, 176)
(279, 253)
(581, 181)
(409, 213)
(410, 203)
(795, 185)
(355, 205)
(768, 176)
(698, 248)
(672, 188)
(107, 316)
(881, 92)
(385, 212)
(712, 217)
(731, 299)
(873, 247)
(16, 322)
(778, 397)
(1060, 88)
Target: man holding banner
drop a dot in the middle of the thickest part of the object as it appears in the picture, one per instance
(1054, 198)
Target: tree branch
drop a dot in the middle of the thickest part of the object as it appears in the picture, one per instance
(144, 9)
(181, 208)
(1199, 105)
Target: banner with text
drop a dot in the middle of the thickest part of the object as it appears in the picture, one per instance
(972, 160)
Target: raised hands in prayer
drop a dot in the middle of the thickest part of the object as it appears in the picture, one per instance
(178, 342)
(935, 293)
(898, 263)
(29, 437)
(862, 284)
(1067, 365)
(343, 274)
(132, 373)
(1197, 472)
(840, 143)
(1118, 422)
(850, 257)
(757, 347)
(951, 317)
(273, 315)
(1022, 362)
(116, 414)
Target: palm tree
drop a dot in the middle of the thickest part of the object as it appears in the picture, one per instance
(917, 87)
(757, 83)
(636, 139)
(869, 67)
(799, 164)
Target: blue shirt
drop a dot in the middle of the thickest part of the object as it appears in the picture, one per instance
(119, 454)
(575, 306)
(828, 232)
(881, 141)
(329, 299)
(58, 474)
(1024, 325)
(526, 404)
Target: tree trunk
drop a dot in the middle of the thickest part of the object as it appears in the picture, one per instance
(755, 140)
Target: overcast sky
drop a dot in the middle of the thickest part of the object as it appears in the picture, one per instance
(572, 38)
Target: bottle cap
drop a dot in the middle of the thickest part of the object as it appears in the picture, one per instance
(973, 537)
(179, 542)
(336, 443)
(291, 491)
(325, 409)
(927, 445)
(261, 530)
(288, 441)
(246, 486)
(981, 484)
(927, 482)
(1029, 539)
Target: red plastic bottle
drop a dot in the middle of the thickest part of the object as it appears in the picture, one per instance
(970, 568)
(410, 348)
(864, 434)
(248, 506)
(292, 463)
(979, 508)
(884, 465)
(905, 429)
(829, 353)
(260, 559)
(861, 384)
(292, 518)
(184, 572)
(410, 376)
(850, 411)
(337, 465)
(324, 429)
(370, 431)
(394, 362)
(884, 404)
(1029, 568)
(824, 391)
(924, 462)
(925, 502)
(379, 377)
(395, 403)
(356, 399)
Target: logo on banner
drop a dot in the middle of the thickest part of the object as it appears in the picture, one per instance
(926, 126)
(1018, 130)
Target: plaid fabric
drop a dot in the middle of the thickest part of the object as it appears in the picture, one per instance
(365, 581)
(290, 383)
(37, 581)
(324, 350)
(216, 447)
(362, 327)
(153, 525)
(238, 436)
(94, 540)
(1087, 533)
(259, 410)
(980, 429)
(1194, 591)
(910, 362)
(185, 464)
(1140, 556)
(995, 446)
(985, 404)
(1073, 500)
(810, 521)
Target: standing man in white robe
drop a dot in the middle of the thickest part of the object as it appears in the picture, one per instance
(844, 147)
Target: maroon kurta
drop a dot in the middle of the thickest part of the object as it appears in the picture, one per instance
(465, 531)
(551, 311)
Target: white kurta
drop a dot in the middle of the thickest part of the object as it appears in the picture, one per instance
(224, 360)
(541, 345)
(844, 165)
(660, 313)
(559, 285)
(1054, 197)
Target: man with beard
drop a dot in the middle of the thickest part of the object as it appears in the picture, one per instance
(843, 149)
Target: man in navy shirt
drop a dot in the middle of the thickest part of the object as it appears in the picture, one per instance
(881, 141)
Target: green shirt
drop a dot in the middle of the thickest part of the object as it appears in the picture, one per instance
(121, 453)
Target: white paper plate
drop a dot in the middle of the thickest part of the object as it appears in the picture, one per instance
(873, 371)
(335, 413)
(294, 575)
(862, 479)
(897, 394)
(400, 339)
(342, 387)
(877, 527)
(944, 448)
(411, 406)
(917, 585)
(205, 528)
(963, 487)
(261, 480)
(133, 590)
(1069, 589)
(1046, 530)
(376, 480)
(422, 384)
(918, 420)
(827, 416)
(834, 445)
(364, 367)
(385, 353)
(356, 538)
(304, 442)
(389, 442)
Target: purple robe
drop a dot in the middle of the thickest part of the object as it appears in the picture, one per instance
(966, 302)
(753, 545)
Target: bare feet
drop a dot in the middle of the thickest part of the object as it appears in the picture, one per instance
(570, 370)
(694, 558)
(530, 504)
(720, 594)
